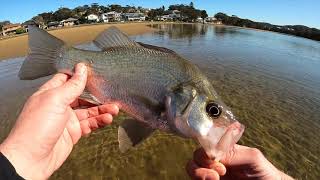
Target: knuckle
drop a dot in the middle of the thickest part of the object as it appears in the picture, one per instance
(256, 153)
(76, 84)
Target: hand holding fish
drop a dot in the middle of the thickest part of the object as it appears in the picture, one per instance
(241, 163)
(48, 126)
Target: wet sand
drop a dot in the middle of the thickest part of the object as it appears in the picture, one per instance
(18, 46)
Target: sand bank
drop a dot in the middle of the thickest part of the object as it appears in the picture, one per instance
(18, 46)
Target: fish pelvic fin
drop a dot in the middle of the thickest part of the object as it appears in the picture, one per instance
(113, 37)
(44, 51)
(131, 132)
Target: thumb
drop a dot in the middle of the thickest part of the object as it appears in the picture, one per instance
(74, 87)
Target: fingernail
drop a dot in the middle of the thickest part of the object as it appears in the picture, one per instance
(82, 68)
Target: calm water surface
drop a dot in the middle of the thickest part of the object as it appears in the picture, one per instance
(271, 81)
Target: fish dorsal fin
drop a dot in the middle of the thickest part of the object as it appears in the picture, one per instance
(113, 37)
(157, 48)
(131, 132)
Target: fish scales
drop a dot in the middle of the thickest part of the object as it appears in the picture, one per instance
(155, 86)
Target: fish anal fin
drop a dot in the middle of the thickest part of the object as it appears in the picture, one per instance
(131, 132)
(113, 37)
(87, 96)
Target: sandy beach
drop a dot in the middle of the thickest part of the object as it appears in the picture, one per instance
(18, 46)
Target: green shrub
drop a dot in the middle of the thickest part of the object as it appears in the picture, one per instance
(20, 31)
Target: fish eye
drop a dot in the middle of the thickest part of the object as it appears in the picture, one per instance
(213, 109)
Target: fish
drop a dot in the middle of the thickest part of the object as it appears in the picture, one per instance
(157, 88)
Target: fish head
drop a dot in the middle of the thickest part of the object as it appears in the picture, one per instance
(204, 117)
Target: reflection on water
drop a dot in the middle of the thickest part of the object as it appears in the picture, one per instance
(271, 81)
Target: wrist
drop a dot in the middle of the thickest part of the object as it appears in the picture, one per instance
(20, 160)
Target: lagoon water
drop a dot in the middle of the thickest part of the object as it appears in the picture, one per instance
(271, 81)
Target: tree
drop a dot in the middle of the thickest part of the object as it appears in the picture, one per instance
(204, 15)
(95, 8)
(115, 7)
(38, 20)
(62, 13)
(47, 17)
(191, 4)
(2, 23)
(154, 13)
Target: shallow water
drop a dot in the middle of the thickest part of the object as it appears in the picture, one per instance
(271, 81)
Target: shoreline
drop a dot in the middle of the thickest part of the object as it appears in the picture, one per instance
(17, 46)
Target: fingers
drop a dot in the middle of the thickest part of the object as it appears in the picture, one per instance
(241, 155)
(74, 86)
(91, 124)
(95, 111)
(197, 172)
(201, 159)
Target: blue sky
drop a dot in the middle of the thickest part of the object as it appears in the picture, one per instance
(305, 12)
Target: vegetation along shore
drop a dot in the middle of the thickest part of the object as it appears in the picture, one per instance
(96, 13)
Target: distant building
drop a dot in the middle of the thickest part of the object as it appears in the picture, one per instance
(10, 28)
(199, 19)
(92, 18)
(134, 16)
(165, 18)
(213, 20)
(54, 24)
(173, 16)
(69, 22)
(112, 16)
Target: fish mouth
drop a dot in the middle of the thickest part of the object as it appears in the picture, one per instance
(220, 140)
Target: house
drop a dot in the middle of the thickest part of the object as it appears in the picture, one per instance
(54, 24)
(134, 16)
(173, 16)
(92, 18)
(199, 20)
(213, 20)
(112, 16)
(69, 22)
(10, 28)
(165, 18)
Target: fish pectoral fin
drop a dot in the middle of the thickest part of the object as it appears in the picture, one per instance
(87, 96)
(131, 132)
(113, 37)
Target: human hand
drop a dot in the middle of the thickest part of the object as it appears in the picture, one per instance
(241, 163)
(48, 126)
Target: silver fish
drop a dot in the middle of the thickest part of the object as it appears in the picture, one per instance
(154, 85)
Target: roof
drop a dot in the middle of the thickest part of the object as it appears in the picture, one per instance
(92, 15)
(70, 20)
(133, 14)
(10, 26)
(53, 23)
(112, 12)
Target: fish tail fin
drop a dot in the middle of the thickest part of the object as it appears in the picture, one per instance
(45, 51)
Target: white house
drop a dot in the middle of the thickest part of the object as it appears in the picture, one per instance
(92, 17)
(134, 16)
(174, 15)
(213, 20)
(112, 16)
(69, 22)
